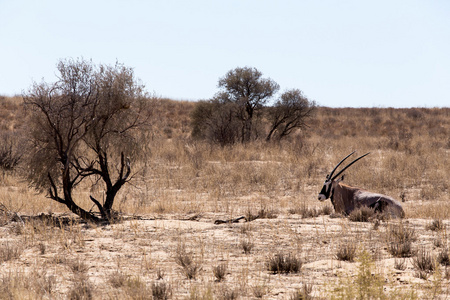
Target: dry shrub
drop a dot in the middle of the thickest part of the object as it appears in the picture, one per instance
(259, 291)
(304, 293)
(81, 290)
(226, 293)
(424, 263)
(78, 266)
(311, 212)
(10, 251)
(362, 214)
(443, 257)
(247, 246)
(436, 225)
(117, 279)
(281, 263)
(186, 261)
(346, 251)
(400, 264)
(399, 239)
(220, 271)
(161, 290)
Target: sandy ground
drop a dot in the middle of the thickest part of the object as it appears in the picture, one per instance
(144, 248)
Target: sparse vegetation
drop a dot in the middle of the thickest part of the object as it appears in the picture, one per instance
(184, 184)
(186, 261)
(424, 263)
(161, 291)
(238, 113)
(400, 238)
(220, 271)
(362, 214)
(284, 263)
(304, 293)
(436, 225)
(346, 251)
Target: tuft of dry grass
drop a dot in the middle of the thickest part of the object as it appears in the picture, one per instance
(399, 239)
(190, 267)
(161, 291)
(282, 263)
(346, 251)
(10, 251)
(436, 225)
(220, 271)
(424, 263)
(362, 214)
(304, 293)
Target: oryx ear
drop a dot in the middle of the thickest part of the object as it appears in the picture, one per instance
(340, 179)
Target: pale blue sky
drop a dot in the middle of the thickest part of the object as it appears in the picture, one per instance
(339, 53)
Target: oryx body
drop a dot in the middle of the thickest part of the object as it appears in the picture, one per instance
(346, 198)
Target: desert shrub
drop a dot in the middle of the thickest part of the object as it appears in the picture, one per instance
(304, 293)
(81, 290)
(346, 251)
(281, 263)
(117, 279)
(259, 291)
(215, 122)
(186, 261)
(436, 225)
(400, 238)
(368, 284)
(247, 246)
(400, 264)
(443, 257)
(310, 212)
(10, 251)
(362, 214)
(161, 291)
(10, 152)
(226, 293)
(265, 213)
(220, 271)
(424, 263)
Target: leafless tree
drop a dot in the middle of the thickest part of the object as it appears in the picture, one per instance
(84, 126)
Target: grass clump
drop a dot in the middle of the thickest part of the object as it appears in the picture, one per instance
(247, 246)
(220, 271)
(400, 240)
(81, 290)
(443, 257)
(424, 263)
(346, 251)
(311, 212)
(284, 264)
(436, 225)
(186, 261)
(400, 264)
(304, 293)
(161, 291)
(367, 285)
(362, 214)
(10, 251)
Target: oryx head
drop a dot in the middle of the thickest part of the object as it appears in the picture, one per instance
(327, 189)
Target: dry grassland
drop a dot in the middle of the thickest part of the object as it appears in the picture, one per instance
(167, 245)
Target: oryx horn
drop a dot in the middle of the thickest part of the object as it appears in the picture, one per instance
(340, 172)
(331, 174)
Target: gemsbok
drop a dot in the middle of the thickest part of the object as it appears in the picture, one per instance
(346, 198)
